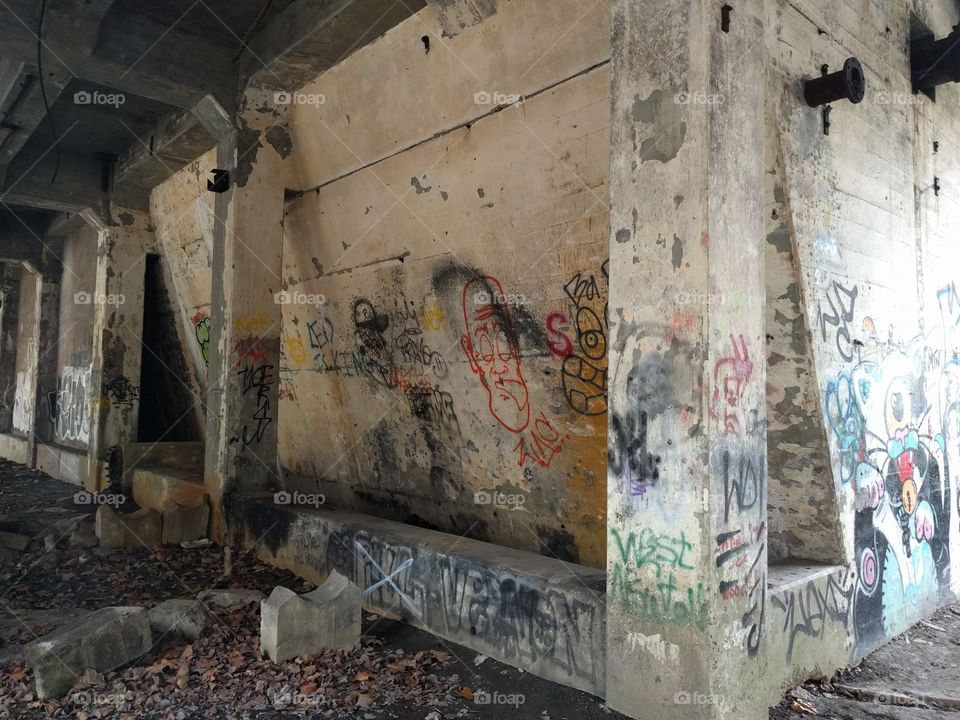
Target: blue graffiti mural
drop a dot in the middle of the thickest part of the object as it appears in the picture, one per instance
(893, 421)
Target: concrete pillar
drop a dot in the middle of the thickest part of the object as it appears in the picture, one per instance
(9, 319)
(28, 350)
(48, 323)
(241, 452)
(686, 540)
(117, 337)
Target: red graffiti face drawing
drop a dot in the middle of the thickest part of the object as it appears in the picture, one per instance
(492, 350)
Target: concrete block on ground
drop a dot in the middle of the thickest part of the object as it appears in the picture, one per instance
(14, 541)
(107, 639)
(84, 534)
(136, 529)
(308, 624)
(229, 598)
(184, 616)
(185, 524)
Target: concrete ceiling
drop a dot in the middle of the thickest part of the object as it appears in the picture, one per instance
(136, 89)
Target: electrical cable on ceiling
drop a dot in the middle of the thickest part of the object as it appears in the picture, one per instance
(43, 90)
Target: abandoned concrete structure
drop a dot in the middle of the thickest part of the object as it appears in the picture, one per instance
(569, 332)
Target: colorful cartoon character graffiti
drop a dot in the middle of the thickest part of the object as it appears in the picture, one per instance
(892, 445)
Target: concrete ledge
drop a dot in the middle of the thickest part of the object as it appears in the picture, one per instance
(809, 620)
(178, 455)
(14, 448)
(167, 489)
(62, 463)
(535, 613)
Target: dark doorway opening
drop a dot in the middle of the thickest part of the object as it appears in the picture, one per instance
(167, 412)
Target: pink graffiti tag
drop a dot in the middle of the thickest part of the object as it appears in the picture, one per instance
(730, 378)
(560, 345)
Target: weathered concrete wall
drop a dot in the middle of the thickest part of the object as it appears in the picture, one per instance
(447, 281)
(74, 400)
(182, 215)
(875, 305)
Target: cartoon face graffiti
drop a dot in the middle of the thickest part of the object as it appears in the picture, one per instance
(491, 347)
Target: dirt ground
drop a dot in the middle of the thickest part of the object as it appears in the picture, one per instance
(396, 672)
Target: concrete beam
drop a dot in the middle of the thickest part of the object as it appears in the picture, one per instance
(79, 184)
(66, 223)
(77, 21)
(27, 111)
(179, 139)
(310, 37)
(11, 80)
(179, 69)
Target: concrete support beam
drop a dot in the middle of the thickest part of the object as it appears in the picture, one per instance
(241, 451)
(28, 352)
(179, 139)
(9, 319)
(179, 70)
(80, 184)
(77, 21)
(25, 243)
(48, 335)
(310, 37)
(27, 110)
(117, 338)
(686, 545)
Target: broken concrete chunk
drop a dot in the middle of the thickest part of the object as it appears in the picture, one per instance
(84, 534)
(229, 598)
(185, 524)
(308, 624)
(136, 529)
(187, 617)
(14, 541)
(107, 639)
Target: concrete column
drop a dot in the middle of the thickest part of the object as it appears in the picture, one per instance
(28, 350)
(241, 452)
(9, 319)
(686, 540)
(48, 323)
(117, 338)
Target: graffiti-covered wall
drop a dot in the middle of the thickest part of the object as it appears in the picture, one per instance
(26, 352)
(182, 214)
(868, 216)
(69, 408)
(444, 326)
